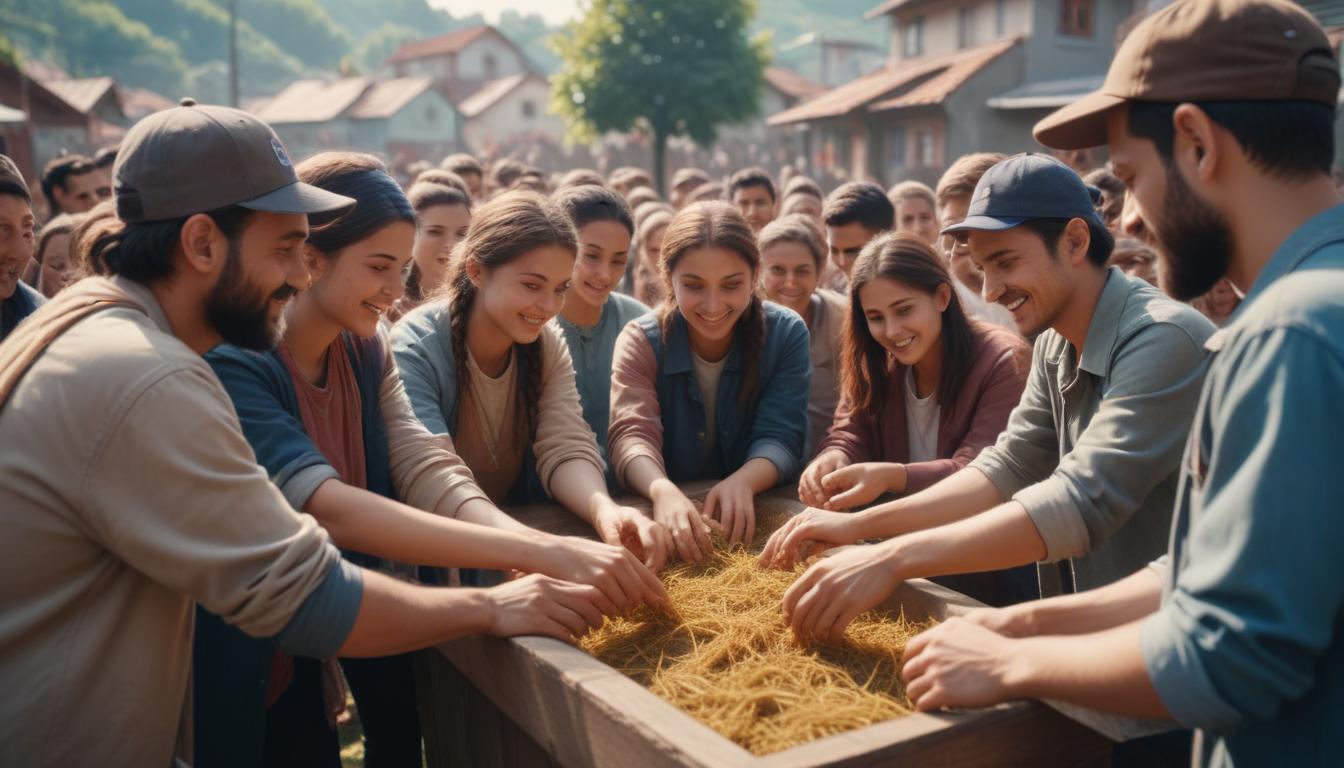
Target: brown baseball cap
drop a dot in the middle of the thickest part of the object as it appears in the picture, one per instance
(196, 158)
(11, 180)
(1206, 50)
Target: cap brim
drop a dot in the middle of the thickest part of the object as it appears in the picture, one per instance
(1079, 125)
(990, 223)
(299, 198)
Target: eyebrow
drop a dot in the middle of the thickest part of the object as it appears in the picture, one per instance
(899, 302)
(537, 275)
(297, 234)
(995, 256)
(387, 256)
(729, 277)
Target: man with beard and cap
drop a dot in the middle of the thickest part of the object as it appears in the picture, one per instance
(131, 492)
(1082, 479)
(17, 235)
(1219, 117)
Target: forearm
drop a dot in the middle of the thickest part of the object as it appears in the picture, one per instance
(1130, 599)
(483, 512)
(646, 478)
(1103, 671)
(378, 526)
(396, 617)
(581, 489)
(958, 497)
(759, 474)
(1003, 537)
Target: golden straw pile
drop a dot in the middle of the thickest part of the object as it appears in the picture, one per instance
(728, 659)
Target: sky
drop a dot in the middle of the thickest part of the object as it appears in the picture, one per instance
(554, 11)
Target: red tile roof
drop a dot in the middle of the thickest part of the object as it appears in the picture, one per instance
(937, 88)
(451, 43)
(83, 93)
(790, 83)
(843, 99)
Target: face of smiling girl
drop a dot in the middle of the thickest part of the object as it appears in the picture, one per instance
(712, 287)
(440, 228)
(357, 285)
(905, 320)
(789, 275)
(604, 250)
(520, 297)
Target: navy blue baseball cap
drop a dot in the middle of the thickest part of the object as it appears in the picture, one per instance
(1027, 186)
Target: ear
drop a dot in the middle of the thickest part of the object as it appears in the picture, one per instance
(1195, 146)
(474, 273)
(204, 248)
(316, 263)
(942, 296)
(1075, 242)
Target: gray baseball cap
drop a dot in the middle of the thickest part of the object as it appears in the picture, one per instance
(1027, 186)
(196, 158)
(11, 180)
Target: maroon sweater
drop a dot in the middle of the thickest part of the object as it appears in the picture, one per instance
(974, 420)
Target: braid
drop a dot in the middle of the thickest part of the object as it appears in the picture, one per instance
(753, 333)
(529, 386)
(461, 296)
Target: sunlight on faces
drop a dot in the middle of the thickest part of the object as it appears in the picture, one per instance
(356, 285)
(845, 242)
(1020, 273)
(440, 228)
(916, 216)
(58, 269)
(264, 268)
(17, 237)
(518, 299)
(712, 287)
(604, 250)
(1192, 239)
(905, 320)
(955, 250)
(789, 276)
(756, 205)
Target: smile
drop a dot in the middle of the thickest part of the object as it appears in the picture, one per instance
(596, 288)
(374, 308)
(707, 320)
(533, 319)
(903, 344)
(1014, 304)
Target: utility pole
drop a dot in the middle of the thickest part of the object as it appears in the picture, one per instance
(233, 53)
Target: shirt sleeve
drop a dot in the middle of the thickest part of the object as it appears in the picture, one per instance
(276, 435)
(1257, 596)
(421, 381)
(779, 429)
(636, 427)
(426, 470)
(1000, 394)
(562, 433)
(1028, 449)
(1132, 443)
(189, 506)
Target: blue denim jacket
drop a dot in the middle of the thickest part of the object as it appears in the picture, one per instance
(772, 425)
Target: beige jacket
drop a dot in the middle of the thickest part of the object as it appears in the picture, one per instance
(129, 494)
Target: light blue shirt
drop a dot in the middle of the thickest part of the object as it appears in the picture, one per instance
(1247, 647)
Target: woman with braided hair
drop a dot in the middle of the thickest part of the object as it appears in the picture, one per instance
(484, 364)
(713, 384)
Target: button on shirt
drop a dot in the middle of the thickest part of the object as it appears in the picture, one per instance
(1092, 450)
(1247, 644)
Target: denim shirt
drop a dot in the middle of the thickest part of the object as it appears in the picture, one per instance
(771, 425)
(1248, 646)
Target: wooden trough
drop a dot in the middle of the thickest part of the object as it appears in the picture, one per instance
(537, 702)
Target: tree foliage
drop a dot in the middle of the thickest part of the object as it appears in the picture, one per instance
(679, 67)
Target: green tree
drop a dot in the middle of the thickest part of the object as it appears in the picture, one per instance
(382, 43)
(680, 67)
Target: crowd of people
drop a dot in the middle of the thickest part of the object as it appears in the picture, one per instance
(263, 420)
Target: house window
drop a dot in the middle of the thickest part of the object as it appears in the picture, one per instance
(925, 147)
(896, 159)
(1075, 18)
(1000, 17)
(431, 114)
(491, 67)
(914, 38)
(529, 109)
(966, 28)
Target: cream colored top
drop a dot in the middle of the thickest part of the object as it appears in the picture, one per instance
(707, 377)
(921, 420)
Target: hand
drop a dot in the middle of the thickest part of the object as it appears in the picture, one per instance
(623, 582)
(860, 484)
(541, 605)
(810, 490)
(676, 513)
(804, 534)
(732, 503)
(1009, 622)
(958, 663)
(630, 528)
(837, 588)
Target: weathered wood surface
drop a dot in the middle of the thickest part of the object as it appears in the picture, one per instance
(535, 701)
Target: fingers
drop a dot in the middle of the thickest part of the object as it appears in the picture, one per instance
(771, 551)
(798, 589)
(652, 541)
(806, 615)
(652, 589)
(738, 528)
(918, 691)
(793, 540)
(713, 505)
(840, 479)
(701, 533)
(809, 489)
(750, 519)
(611, 586)
(854, 496)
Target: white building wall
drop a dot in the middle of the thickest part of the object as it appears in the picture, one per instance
(942, 26)
(475, 61)
(506, 120)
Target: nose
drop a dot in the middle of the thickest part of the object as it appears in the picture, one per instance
(553, 302)
(297, 275)
(1131, 221)
(992, 288)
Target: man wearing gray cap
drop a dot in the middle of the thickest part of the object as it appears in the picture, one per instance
(1219, 116)
(136, 493)
(1081, 481)
(17, 225)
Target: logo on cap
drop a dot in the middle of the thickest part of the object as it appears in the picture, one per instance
(280, 152)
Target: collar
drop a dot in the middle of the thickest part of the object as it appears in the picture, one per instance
(677, 348)
(1325, 227)
(145, 297)
(1105, 326)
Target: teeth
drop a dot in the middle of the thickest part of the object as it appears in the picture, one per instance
(534, 320)
(1015, 304)
(375, 309)
(906, 343)
(712, 320)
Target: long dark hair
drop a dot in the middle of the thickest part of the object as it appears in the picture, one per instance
(716, 224)
(423, 196)
(378, 200)
(865, 363)
(509, 226)
(587, 203)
